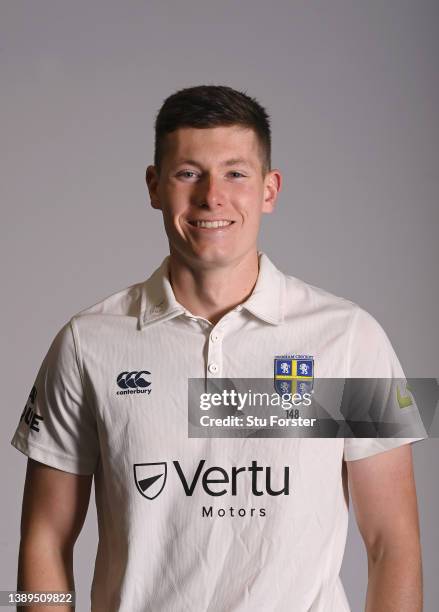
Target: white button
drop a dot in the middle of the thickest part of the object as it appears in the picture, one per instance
(214, 336)
(213, 368)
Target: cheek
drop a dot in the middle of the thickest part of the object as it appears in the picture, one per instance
(173, 202)
(248, 190)
(249, 203)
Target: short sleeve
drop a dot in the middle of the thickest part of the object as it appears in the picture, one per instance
(57, 426)
(371, 355)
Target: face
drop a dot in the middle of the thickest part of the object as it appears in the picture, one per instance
(212, 193)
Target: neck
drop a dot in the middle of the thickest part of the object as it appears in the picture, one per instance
(211, 293)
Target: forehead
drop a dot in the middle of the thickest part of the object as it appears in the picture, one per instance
(212, 144)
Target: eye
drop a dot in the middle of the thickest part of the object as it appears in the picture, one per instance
(236, 174)
(187, 174)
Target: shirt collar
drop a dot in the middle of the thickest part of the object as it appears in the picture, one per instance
(158, 303)
(267, 299)
(157, 300)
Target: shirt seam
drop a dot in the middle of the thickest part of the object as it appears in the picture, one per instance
(348, 367)
(79, 361)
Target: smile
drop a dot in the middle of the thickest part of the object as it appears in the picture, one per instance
(211, 224)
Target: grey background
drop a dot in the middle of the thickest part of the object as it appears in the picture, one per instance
(352, 88)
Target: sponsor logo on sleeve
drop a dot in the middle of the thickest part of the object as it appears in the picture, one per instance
(29, 414)
(405, 399)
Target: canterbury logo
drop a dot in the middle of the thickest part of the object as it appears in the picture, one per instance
(133, 380)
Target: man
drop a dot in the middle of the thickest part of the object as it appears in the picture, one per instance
(202, 523)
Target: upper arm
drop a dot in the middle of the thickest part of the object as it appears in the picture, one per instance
(54, 503)
(383, 493)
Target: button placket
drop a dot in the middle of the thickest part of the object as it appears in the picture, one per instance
(214, 354)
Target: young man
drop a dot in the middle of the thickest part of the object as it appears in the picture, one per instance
(202, 524)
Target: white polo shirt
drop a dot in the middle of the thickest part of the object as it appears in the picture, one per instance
(181, 527)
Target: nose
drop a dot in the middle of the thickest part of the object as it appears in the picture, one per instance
(210, 193)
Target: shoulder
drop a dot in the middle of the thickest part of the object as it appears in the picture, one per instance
(118, 310)
(303, 298)
(125, 302)
(335, 320)
(115, 313)
(317, 309)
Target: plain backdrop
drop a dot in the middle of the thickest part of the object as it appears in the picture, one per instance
(352, 89)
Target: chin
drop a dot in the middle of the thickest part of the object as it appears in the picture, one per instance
(212, 257)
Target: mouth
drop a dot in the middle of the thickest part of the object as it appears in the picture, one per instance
(218, 224)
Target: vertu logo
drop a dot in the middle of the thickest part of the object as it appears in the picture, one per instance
(134, 382)
(215, 480)
(150, 478)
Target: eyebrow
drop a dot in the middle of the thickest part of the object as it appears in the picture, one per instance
(228, 162)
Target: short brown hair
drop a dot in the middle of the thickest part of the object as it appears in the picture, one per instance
(206, 106)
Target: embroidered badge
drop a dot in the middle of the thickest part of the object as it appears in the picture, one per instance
(293, 374)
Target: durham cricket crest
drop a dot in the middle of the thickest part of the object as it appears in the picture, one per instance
(293, 374)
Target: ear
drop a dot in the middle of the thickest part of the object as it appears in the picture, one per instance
(152, 182)
(272, 186)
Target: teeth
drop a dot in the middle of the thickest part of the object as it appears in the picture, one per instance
(212, 224)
